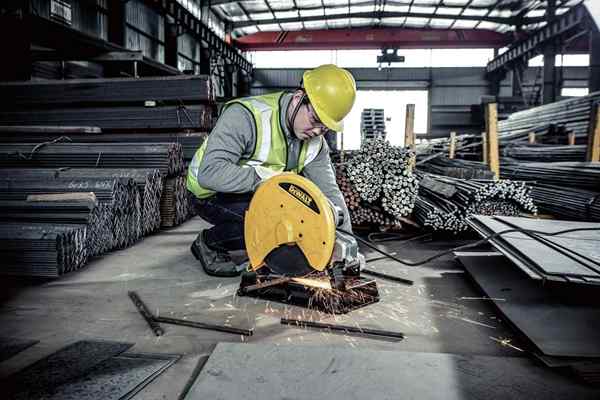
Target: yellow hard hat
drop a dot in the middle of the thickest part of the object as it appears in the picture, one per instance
(331, 91)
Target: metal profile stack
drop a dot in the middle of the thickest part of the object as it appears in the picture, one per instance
(189, 141)
(96, 218)
(572, 115)
(372, 124)
(378, 184)
(148, 181)
(546, 153)
(457, 168)
(166, 157)
(42, 250)
(582, 175)
(568, 203)
(444, 203)
(121, 196)
(164, 103)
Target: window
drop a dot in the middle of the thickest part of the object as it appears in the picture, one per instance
(574, 92)
(394, 104)
(564, 60)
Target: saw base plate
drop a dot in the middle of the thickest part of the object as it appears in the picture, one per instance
(359, 292)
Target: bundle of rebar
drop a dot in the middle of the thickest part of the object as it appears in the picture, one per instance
(581, 175)
(567, 203)
(546, 153)
(168, 157)
(96, 218)
(378, 185)
(457, 168)
(445, 203)
(381, 173)
(573, 115)
(148, 181)
(120, 195)
(41, 250)
(175, 202)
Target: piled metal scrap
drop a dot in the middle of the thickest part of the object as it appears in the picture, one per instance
(582, 175)
(42, 250)
(378, 184)
(166, 157)
(546, 153)
(148, 181)
(96, 217)
(567, 203)
(445, 203)
(120, 195)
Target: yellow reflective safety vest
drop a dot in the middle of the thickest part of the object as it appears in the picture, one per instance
(271, 148)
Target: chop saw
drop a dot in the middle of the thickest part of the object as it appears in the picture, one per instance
(296, 256)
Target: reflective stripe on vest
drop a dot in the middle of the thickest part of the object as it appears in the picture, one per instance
(271, 144)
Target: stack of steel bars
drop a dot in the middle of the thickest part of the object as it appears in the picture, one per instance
(582, 175)
(378, 184)
(445, 203)
(546, 153)
(573, 115)
(96, 218)
(570, 203)
(41, 250)
(166, 157)
(171, 103)
(190, 141)
(120, 195)
(457, 168)
(148, 181)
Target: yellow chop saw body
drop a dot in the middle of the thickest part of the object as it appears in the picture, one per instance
(290, 232)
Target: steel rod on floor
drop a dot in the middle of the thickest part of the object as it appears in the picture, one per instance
(386, 276)
(146, 314)
(343, 328)
(202, 325)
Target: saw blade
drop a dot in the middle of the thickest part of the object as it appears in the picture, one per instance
(288, 260)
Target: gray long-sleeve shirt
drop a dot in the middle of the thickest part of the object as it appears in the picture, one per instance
(233, 138)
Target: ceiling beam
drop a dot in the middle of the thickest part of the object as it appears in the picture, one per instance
(373, 38)
(378, 15)
(216, 3)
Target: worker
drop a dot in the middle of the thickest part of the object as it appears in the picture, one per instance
(256, 138)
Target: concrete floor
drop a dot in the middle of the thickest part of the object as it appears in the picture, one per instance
(439, 314)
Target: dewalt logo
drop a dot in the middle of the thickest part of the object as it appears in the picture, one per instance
(300, 195)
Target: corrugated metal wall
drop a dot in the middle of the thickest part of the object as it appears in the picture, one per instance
(145, 30)
(89, 16)
(189, 53)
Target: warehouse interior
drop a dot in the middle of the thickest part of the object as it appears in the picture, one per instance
(463, 261)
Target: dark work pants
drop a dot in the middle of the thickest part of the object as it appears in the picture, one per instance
(226, 212)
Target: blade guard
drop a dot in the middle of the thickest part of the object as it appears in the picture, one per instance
(289, 209)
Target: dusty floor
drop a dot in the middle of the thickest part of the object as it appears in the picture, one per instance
(441, 313)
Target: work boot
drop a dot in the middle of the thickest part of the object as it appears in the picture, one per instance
(214, 262)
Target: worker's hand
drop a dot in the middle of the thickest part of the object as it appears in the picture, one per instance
(337, 213)
(265, 173)
(361, 260)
